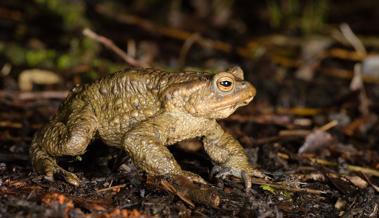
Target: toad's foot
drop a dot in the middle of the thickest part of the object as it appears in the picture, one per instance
(246, 176)
(51, 169)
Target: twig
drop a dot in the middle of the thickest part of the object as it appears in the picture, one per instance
(353, 39)
(304, 133)
(10, 124)
(294, 133)
(245, 52)
(343, 54)
(285, 134)
(110, 45)
(299, 111)
(186, 47)
(375, 187)
(364, 170)
(267, 140)
(357, 83)
(169, 187)
(281, 120)
(352, 168)
(16, 125)
(11, 157)
(374, 211)
(286, 186)
(111, 188)
(328, 126)
(33, 95)
(347, 74)
(162, 30)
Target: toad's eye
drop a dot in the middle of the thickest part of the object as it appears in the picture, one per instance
(225, 84)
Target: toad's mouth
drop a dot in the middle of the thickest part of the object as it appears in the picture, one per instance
(248, 100)
(233, 106)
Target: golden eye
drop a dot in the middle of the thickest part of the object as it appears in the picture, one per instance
(225, 84)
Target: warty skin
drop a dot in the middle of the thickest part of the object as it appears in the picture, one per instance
(143, 111)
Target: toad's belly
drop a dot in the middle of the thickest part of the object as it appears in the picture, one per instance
(186, 126)
(113, 130)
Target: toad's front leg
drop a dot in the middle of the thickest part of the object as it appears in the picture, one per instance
(146, 145)
(227, 152)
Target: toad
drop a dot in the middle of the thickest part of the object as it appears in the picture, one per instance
(143, 111)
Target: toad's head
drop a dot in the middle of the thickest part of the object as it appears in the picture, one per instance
(214, 96)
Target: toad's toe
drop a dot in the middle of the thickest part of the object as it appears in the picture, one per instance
(223, 172)
(70, 177)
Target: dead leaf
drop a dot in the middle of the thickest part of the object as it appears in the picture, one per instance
(36, 76)
(357, 181)
(315, 141)
(370, 66)
(311, 57)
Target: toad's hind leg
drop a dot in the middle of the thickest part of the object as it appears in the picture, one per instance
(59, 139)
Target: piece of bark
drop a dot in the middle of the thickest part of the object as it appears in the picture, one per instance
(186, 190)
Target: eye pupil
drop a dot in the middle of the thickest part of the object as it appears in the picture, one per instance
(226, 83)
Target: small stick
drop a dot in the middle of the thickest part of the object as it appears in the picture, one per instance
(304, 133)
(111, 188)
(169, 187)
(357, 84)
(16, 125)
(11, 157)
(186, 47)
(374, 211)
(364, 170)
(328, 126)
(294, 133)
(281, 185)
(347, 74)
(163, 30)
(352, 168)
(110, 45)
(343, 54)
(33, 95)
(10, 124)
(353, 39)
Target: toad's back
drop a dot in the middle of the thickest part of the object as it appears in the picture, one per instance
(123, 99)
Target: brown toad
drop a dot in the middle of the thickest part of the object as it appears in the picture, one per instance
(143, 111)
